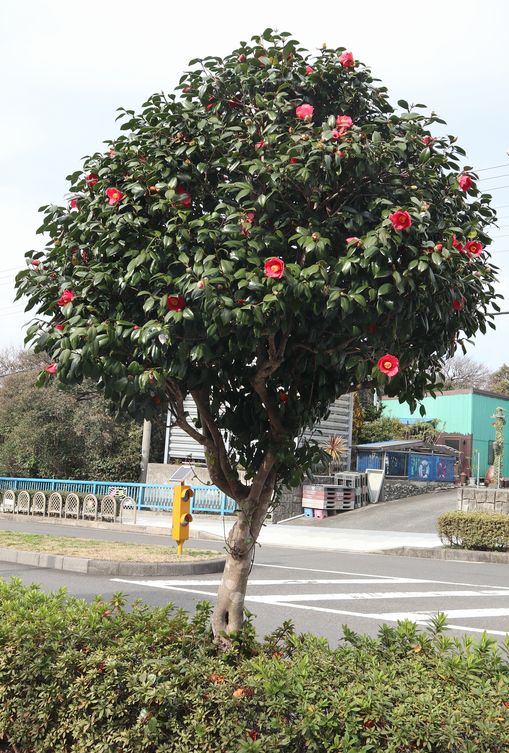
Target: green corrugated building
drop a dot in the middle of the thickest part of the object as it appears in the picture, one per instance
(466, 424)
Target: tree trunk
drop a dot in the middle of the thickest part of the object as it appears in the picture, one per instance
(228, 614)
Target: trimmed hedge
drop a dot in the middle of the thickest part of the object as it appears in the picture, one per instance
(97, 678)
(487, 531)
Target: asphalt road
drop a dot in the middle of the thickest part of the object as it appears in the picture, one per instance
(415, 514)
(318, 590)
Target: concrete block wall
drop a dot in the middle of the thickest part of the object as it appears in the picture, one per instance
(395, 488)
(478, 499)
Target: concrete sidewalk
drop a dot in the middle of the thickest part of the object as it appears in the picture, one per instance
(302, 536)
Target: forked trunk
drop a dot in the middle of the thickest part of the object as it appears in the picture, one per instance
(228, 614)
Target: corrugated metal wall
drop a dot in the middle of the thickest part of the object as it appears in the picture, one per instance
(338, 422)
(179, 445)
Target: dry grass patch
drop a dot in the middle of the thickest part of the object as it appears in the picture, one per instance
(100, 549)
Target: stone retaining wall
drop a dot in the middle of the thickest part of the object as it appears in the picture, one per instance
(396, 488)
(478, 499)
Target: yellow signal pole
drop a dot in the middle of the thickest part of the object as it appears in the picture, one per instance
(181, 515)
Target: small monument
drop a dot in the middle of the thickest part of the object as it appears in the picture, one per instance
(498, 446)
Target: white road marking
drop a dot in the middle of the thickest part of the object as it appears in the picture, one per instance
(289, 600)
(282, 582)
(382, 617)
(377, 575)
(468, 613)
(368, 595)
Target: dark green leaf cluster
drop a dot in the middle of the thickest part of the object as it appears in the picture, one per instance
(100, 678)
(170, 279)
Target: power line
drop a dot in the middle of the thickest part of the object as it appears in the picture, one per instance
(495, 177)
(495, 167)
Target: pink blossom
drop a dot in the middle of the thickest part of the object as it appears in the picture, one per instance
(346, 60)
(304, 112)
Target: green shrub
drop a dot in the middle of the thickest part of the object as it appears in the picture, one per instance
(474, 530)
(97, 678)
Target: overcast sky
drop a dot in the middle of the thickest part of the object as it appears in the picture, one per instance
(68, 66)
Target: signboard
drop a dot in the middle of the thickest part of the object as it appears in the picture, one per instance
(117, 491)
(430, 467)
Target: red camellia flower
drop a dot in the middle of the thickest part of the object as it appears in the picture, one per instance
(336, 134)
(309, 70)
(293, 161)
(343, 122)
(458, 303)
(114, 196)
(253, 734)
(176, 302)
(465, 182)
(242, 58)
(274, 267)
(457, 244)
(135, 327)
(35, 262)
(59, 327)
(346, 60)
(304, 112)
(388, 365)
(438, 247)
(91, 179)
(200, 284)
(185, 197)
(260, 144)
(425, 140)
(400, 219)
(51, 368)
(283, 396)
(474, 248)
(250, 217)
(66, 297)
(73, 203)
(354, 239)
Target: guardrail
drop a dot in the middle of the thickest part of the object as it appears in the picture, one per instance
(147, 496)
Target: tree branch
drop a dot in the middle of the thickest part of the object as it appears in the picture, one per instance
(176, 405)
(266, 366)
(235, 487)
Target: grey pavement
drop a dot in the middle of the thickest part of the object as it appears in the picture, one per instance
(410, 522)
(412, 514)
(320, 591)
(319, 588)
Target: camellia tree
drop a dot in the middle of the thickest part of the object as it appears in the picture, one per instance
(271, 236)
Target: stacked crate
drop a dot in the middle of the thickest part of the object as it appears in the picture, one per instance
(356, 481)
(319, 499)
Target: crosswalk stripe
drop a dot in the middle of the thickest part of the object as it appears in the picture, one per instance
(368, 595)
(281, 582)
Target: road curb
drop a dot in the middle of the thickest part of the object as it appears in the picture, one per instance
(87, 566)
(441, 553)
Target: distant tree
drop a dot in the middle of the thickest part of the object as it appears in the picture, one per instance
(385, 428)
(60, 433)
(499, 380)
(462, 372)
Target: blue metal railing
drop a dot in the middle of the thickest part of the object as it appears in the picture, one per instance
(147, 496)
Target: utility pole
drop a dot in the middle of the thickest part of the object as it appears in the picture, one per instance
(145, 450)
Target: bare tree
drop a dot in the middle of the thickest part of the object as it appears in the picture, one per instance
(462, 372)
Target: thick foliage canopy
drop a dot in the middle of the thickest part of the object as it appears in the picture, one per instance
(166, 238)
